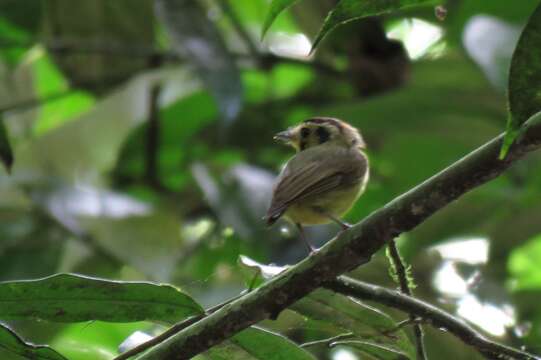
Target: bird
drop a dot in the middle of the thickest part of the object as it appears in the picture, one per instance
(325, 177)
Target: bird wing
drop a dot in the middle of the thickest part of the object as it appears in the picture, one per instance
(308, 175)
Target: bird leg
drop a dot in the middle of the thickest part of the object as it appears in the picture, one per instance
(343, 225)
(311, 249)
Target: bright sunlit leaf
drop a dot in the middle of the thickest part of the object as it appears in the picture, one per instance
(523, 264)
(418, 36)
(60, 103)
(275, 8)
(94, 340)
(349, 10)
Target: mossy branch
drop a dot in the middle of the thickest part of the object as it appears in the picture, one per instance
(349, 250)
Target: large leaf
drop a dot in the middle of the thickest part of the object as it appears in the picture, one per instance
(6, 154)
(13, 347)
(195, 37)
(349, 10)
(346, 315)
(275, 8)
(256, 343)
(73, 298)
(338, 314)
(524, 78)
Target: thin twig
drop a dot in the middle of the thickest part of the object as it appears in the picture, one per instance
(431, 314)
(329, 341)
(402, 324)
(239, 28)
(153, 137)
(401, 273)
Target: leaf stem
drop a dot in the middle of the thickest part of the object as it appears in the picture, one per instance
(403, 281)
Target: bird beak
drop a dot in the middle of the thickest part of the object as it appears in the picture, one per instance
(284, 136)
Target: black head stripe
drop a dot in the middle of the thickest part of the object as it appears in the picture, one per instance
(326, 120)
(322, 134)
(305, 132)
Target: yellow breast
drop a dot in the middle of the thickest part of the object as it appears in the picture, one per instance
(336, 203)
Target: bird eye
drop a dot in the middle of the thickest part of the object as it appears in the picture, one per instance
(305, 132)
(323, 134)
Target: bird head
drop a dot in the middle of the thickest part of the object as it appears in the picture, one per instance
(319, 131)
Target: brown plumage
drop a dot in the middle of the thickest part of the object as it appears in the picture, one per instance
(326, 176)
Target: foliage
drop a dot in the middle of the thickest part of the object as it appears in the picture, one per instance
(139, 139)
(525, 77)
(13, 346)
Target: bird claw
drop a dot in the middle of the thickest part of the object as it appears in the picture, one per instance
(345, 226)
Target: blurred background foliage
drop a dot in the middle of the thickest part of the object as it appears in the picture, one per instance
(142, 144)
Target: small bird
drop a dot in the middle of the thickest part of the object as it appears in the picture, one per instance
(324, 179)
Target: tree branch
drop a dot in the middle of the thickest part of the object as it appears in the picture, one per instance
(436, 317)
(152, 144)
(239, 28)
(403, 281)
(349, 249)
(171, 331)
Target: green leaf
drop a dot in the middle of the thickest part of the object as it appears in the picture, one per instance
(60, 106)
(339, 314)
(349, 10)
(524, 79)
(13, 346)
(257, 343)
(343, 314)
(96, 340)
(523, 265)
(196, 38)
(73, 298)
(6, 154)
(11, 33)
(275, 8)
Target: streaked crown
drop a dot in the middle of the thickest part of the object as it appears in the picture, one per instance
(321, 130)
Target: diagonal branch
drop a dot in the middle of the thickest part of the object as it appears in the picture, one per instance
(349, 249)
(436, 317)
